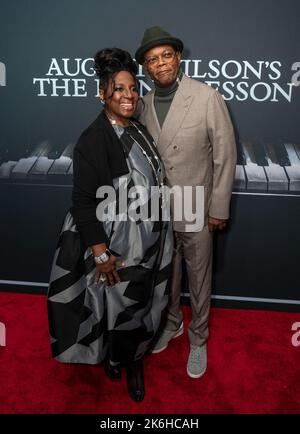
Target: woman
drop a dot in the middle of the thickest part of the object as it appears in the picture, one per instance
(108, 286)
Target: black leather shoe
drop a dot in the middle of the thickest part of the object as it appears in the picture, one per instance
(113, 372)
(135, 380)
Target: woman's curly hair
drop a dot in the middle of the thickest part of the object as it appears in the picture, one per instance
(110, 61)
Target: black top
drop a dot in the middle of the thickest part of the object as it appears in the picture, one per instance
(98, 158)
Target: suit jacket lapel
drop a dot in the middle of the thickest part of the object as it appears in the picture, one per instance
(155, 127)
(176, 114)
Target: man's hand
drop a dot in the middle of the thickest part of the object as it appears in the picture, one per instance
(216, 224)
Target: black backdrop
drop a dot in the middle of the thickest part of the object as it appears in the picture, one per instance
(248, 50)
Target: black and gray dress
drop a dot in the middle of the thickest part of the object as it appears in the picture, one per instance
(89, 322)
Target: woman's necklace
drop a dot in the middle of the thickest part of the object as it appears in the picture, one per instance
(148, 158)
(120, 128)
(147, 141)
(117, 127)
(158, 173)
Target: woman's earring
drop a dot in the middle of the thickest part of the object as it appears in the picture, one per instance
(101, 96)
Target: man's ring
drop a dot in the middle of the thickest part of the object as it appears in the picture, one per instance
(102, 278)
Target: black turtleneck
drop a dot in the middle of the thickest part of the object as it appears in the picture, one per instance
(163, 98)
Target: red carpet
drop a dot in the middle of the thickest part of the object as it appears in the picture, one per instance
(252, 368)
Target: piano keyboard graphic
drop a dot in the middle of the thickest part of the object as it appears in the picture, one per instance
(42, 165)
(268, 168)
(260, 167)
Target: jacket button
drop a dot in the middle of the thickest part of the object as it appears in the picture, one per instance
(171, 168)
(175, 147)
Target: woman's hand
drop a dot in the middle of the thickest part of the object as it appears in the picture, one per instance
(107, 272)
(216, 224)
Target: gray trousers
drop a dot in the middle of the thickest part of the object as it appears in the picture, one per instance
(196, 249)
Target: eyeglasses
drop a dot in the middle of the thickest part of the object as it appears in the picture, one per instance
(167, 56)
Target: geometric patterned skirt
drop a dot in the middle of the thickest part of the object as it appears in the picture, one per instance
(89, 322)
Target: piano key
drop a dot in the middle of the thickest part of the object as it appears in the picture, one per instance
(62, 164)
(70, 171)
(24, 165)
(6, 169)
(277, 178)
(260, 154)
(68, 151)
(40, 168)
(42, 149)
(297, 149)
(293, 171)
(241, 160)
(282, 155)
(240, 182)
(255, 174)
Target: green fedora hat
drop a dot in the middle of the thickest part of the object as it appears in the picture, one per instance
(153, 37)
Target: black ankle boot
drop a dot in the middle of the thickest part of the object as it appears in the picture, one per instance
(135, 380)
(113, 372)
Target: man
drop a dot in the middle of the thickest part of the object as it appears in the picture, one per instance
(191, 126)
